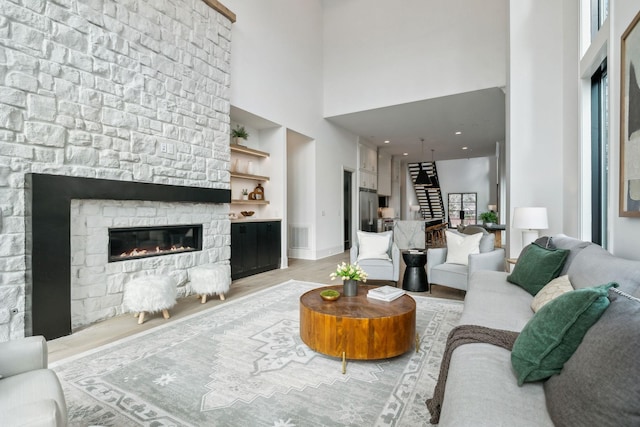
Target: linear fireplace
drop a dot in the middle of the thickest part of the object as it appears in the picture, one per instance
(142, 242)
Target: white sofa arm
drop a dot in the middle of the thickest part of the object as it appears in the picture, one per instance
(493, 261)
(354, 253)
(435, 256)
(395, 257)
(40, 413)
(22, 355)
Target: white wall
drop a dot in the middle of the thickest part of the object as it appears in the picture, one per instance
(476, 175)
(378, 53)
(276, 69)
(537, 115)
(300, 189)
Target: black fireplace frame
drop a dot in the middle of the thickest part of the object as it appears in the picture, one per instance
(48, 243)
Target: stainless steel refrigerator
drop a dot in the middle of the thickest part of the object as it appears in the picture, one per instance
(368, 210)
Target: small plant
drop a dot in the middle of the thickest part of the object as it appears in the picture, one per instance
(245, 192)
(349, 272)
(239, 132)
(489, 217)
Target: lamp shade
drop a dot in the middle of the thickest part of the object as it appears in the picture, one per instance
(388, 213)
(530, 218)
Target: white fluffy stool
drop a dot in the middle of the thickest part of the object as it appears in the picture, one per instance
(209, 279)
(149, 294)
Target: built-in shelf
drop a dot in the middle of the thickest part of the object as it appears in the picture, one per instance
(249, 176)
(249, 202)
(246, 150)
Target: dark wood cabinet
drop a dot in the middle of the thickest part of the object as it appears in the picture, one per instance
(255, 248)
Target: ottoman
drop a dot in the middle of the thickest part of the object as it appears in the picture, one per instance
(150, 294)
(210, 279)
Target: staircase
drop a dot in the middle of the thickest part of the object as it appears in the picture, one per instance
(429, 195)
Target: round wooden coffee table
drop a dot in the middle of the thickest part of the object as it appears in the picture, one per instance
(357, 327)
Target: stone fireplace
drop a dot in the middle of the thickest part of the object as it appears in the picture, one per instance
(72, 282)
(112, 115)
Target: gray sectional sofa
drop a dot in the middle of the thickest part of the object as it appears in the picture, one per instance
(481, 388)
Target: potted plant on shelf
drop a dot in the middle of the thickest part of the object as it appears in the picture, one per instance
(245, 194)
(239, 133)
(489, 218)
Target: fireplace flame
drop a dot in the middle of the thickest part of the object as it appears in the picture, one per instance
(138, 252)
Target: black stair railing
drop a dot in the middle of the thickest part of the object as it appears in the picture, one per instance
(429, 195)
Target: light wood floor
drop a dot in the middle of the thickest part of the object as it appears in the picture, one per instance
(125, 325)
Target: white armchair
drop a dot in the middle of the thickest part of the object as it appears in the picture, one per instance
(440, 272)
(378, 256)
(30, 394)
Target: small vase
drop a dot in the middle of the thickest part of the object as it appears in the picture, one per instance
(350, 288)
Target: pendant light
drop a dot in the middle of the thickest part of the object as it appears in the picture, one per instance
(434, 179)
(422, 178)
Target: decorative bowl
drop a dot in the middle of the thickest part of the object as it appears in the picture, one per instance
(247, 213)
(329, 295)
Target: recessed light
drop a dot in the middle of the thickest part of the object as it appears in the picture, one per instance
(405, 154)
(387, 141)
(465, 148)
(458, 133)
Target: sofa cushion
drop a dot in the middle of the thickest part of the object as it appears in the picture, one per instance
(480, 391)
(552, 290)
(493, 302)
(574, 246)
(554, 332)
(536, 267)
(598, 386)
(459, 247)
(374, 245)
(594, 265)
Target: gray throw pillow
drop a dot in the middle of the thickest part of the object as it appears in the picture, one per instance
(598, 385)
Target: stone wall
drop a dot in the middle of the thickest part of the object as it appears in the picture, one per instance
(129, 90)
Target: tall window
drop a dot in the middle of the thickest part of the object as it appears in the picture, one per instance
(599, 155)
(599, 13)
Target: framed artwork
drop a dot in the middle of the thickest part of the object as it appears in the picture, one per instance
(630, 121)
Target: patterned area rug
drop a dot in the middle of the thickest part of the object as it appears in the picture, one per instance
(242, 363)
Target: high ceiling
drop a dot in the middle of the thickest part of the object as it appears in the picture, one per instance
(478, 115)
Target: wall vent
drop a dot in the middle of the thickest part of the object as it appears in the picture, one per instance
(299, 236)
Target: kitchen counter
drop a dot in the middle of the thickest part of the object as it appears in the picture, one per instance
(252, 219)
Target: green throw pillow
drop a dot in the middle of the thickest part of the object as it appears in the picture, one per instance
(552, 335)
(537, 266)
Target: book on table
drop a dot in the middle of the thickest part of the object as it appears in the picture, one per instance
(385, 293)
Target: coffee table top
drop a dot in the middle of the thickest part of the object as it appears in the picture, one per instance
(359, 306)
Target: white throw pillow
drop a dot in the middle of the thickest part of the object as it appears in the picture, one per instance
(553, 289)
(374, 245)
(459, 247)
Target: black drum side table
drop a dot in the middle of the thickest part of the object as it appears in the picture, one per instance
(415, 276)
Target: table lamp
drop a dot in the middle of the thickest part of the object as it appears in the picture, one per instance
(530, 220)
